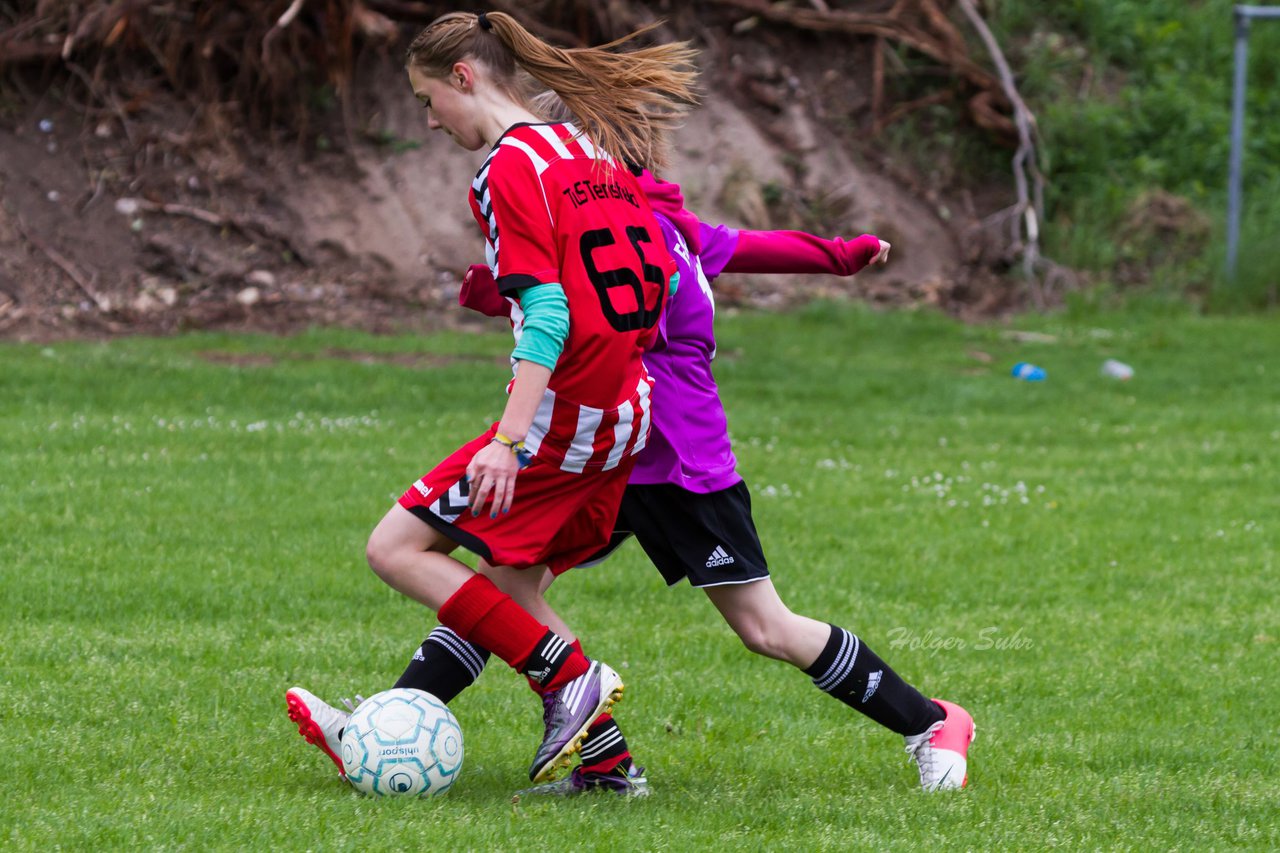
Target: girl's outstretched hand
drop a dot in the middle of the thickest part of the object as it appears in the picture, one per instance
(883, 254)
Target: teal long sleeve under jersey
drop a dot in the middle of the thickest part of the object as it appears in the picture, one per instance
(546, 324)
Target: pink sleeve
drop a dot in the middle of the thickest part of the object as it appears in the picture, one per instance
(798, 252)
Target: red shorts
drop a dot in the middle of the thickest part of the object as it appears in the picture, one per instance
(557, 518)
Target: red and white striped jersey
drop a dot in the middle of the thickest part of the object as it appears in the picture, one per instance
(555, 209)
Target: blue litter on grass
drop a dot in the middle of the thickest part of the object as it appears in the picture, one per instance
(1029, 372)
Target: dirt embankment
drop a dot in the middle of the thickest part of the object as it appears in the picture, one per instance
(148, 223)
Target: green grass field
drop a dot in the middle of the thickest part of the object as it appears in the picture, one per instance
(1089, 566)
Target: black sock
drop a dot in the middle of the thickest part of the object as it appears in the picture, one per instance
(444, 665)
(855, 675)
(548, 656)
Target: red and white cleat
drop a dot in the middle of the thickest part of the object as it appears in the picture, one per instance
(319, 722)
(942, 751)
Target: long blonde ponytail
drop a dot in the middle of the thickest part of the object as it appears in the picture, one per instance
(627, 103)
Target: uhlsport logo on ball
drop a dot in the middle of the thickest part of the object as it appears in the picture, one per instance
(402, 742)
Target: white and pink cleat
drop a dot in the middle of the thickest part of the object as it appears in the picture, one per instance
(942, 751)
(319, 722)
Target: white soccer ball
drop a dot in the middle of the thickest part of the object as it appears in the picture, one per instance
(402, 742)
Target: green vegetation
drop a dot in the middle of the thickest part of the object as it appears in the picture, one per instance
(1147, 105)
(1087, 565)
(1134, 98)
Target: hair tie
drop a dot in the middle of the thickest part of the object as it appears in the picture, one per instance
(483, 21)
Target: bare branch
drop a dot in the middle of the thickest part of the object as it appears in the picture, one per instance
(254, 229)
(67, 266)
(282, 23)
(1029, 208)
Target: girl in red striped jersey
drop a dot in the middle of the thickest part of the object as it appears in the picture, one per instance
(572, 240)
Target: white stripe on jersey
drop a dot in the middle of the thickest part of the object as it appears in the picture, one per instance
(479, 184)
(554, 139)
(587, 145)
(643, 389)
(621, 433)
(517, 331)
(485, 203)
(541, 423)
(538, 163)
(584, 440)
(581, 450)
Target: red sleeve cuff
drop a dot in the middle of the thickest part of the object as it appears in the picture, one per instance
(480, 293)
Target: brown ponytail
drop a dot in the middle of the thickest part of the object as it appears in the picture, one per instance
(626, 103)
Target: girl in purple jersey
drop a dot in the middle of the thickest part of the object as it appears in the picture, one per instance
(690, 510)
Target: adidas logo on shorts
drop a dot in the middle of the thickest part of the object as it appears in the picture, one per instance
(719, 557)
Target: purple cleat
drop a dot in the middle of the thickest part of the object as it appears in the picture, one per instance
(567, 714)
(624, 783)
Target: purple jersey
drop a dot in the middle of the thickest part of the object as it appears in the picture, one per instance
(689, 437)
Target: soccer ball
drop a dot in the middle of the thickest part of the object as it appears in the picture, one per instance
(402, 742)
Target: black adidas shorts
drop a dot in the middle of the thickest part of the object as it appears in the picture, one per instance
(708, 538)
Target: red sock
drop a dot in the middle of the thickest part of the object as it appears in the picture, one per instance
(481, 613)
